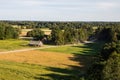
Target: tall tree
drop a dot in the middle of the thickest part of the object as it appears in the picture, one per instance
(57, 36)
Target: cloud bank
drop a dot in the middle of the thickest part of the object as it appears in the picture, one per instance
(60, 10)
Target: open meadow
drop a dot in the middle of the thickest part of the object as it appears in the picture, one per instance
(13, 44)
(63, 62)
(82, 49)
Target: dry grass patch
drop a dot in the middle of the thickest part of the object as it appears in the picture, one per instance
(47, 31)
(51, 59)
(43, 65)
(24, 32)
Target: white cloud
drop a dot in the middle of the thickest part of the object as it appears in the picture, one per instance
(107, 5)
(32, 2)
(60, 9)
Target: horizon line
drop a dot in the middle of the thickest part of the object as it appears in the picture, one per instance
(61, 20)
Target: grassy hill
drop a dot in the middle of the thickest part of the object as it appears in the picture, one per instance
(60, 63)
(42, 66)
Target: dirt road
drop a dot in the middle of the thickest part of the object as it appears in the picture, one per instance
(30, 49)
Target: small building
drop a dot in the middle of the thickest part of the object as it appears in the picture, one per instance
(35, 43)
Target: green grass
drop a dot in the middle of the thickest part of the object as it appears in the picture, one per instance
(85, 49)
(64, 49)
(21, 71)
(13, 44)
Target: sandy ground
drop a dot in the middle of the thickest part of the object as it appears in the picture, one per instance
(52, 59)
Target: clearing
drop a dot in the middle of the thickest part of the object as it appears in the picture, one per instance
(39, 65)
(48, 65)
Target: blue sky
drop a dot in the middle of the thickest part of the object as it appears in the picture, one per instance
(60, 10)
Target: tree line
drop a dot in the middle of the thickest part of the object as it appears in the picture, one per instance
(59, 36)
(69, 35)
(8, 32)
(107, 64)
(43, 24)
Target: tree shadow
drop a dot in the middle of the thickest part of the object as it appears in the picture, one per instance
(90, 48)
(61, 74)
(73, 72)
(70, 73)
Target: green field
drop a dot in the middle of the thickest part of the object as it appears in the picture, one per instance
(22, 71)
(84, 49)
(13, 44)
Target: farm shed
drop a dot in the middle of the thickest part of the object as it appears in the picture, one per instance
(35, 43)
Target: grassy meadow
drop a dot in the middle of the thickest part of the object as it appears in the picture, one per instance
(13, 44)
(20, 71)
(60, 63)
(37, 65)
(84, 49)
(23, 71)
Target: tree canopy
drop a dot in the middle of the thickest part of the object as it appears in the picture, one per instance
(36, 33)
(8, 32)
